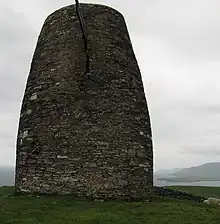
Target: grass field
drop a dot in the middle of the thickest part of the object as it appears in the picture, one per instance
(200, 191)
(66, 210)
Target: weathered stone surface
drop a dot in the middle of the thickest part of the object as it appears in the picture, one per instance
(90, 137)
(172, 193)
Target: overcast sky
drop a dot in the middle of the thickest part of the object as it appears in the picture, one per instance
(177, 45)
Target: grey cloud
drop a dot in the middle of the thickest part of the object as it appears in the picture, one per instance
(204, 150)
(15, 29)
(211, 109)
(17, 42)
(190, 28)
(200, 108)
(7, 135)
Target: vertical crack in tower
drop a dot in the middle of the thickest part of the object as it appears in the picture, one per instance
(97, 144)
(82, 25)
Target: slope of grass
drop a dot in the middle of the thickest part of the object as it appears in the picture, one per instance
(66, 210)
(199, 190)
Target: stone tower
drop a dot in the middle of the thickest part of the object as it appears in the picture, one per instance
(85, 134)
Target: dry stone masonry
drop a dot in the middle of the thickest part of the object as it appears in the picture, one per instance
(85, 135)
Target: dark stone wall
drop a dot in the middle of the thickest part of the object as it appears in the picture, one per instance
(89, 137)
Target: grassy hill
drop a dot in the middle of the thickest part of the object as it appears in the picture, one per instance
(66, 210)
(199, 191)
(205, 172)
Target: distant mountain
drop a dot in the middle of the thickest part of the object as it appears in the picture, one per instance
(7, 176)
(165, 172)
(205, 172)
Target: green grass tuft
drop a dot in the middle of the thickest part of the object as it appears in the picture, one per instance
(67, 210)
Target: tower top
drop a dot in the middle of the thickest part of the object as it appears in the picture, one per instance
(82, 5)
